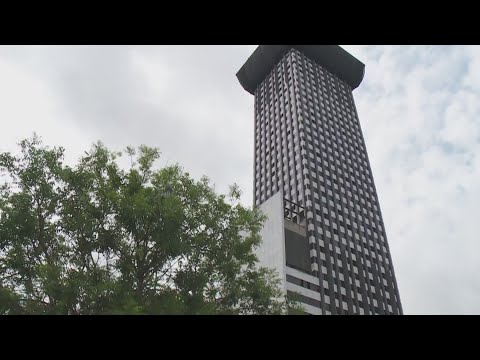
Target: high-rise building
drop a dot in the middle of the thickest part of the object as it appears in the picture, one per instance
(324, 234)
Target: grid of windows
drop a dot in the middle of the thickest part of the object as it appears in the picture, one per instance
(309, 145)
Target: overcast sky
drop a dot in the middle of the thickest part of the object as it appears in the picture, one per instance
(419, 107)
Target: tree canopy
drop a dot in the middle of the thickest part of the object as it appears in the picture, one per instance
(95, 238)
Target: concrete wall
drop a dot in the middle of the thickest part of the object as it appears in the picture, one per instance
(271, 252)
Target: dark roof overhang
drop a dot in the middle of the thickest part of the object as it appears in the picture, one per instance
(332, 57)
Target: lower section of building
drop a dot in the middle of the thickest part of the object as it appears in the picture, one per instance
(286, 249)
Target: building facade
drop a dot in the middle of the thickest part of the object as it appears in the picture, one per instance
(311, 166)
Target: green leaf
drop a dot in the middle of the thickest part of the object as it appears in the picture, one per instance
(94, 238)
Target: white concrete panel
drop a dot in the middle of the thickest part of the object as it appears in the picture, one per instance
(311, 309)
(301, 275)
(303, 291)
(271, 252)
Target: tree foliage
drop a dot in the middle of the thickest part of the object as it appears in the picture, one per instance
(99, 239)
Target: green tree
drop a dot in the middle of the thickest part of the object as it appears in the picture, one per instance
(98, 239)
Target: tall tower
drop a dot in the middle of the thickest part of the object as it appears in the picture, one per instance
(324, 234)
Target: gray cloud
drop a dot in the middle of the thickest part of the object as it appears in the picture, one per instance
(185, 100)
(422, 143)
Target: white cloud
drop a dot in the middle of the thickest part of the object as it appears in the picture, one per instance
(422, 142)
